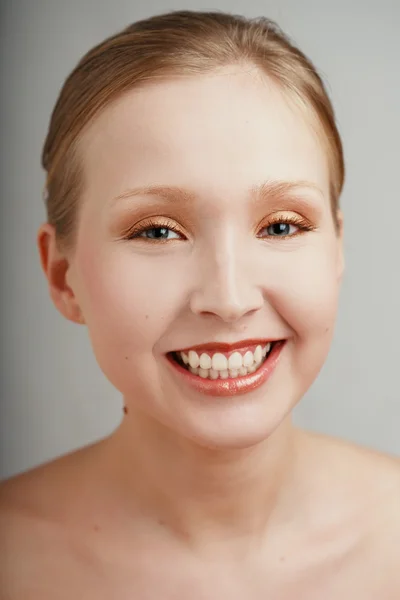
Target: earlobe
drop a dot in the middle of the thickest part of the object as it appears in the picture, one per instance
(56, 266)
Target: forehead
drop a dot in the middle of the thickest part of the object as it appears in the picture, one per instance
(223, 131)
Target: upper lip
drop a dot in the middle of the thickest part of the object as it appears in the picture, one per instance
(224, 347)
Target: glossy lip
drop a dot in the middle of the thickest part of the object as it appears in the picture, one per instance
(231, 387)
(224, 347)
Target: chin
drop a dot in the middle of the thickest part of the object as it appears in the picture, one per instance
(237, 427)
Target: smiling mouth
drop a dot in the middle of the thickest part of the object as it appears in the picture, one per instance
(224, 365)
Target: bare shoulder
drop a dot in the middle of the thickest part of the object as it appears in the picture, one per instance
(40, 491)
(365, 484)
(36, 545)
(376, 478)
(369, 476)
(355, 512)
(25, 539)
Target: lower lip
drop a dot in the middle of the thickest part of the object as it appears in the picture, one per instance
(231, 387)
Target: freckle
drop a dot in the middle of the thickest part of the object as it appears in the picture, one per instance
(125, 410)
(146, 316)
(96, 528)
(282, 559)
(126, 358)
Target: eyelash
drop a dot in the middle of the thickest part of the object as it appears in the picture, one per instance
(301, 223)
(159, 223)
(135, 232)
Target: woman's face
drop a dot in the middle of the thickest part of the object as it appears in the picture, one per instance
(237, 246)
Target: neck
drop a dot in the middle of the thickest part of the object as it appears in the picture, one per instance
(205, 495)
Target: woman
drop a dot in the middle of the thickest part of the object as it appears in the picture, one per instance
(194, 171)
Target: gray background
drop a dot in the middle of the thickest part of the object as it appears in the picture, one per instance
(53, 396)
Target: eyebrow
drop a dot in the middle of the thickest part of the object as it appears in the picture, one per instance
(271, 189)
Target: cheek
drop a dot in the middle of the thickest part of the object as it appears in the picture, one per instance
(128, 299)
(308, 291)
(307, 299)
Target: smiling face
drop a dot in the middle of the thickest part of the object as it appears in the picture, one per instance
(206, 219)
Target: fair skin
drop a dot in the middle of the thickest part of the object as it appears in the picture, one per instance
(198, 495)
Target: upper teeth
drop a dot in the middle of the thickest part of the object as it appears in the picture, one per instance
(220, 362)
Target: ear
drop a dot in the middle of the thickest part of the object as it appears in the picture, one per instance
(56, 266)
(341, 261)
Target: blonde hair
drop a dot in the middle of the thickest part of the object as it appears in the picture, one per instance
(183, 43)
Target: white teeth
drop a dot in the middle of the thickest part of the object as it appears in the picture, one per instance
(248, 359)
(219, 362)
(258, 355)
(214, 374)
(219, 366)
(194, 360)
(235, 361)
(266, 349)
(205, 361)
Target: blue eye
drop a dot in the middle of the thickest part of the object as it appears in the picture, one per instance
(158, 233)
(280, 229)
(155, 230)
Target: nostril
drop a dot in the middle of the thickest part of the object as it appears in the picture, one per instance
(228, 317)
(228, 305)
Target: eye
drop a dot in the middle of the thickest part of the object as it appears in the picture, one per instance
(155, 230)
(158, 233)
(284, 226)
(281, 229)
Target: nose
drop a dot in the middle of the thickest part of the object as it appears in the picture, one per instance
(227, 289)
